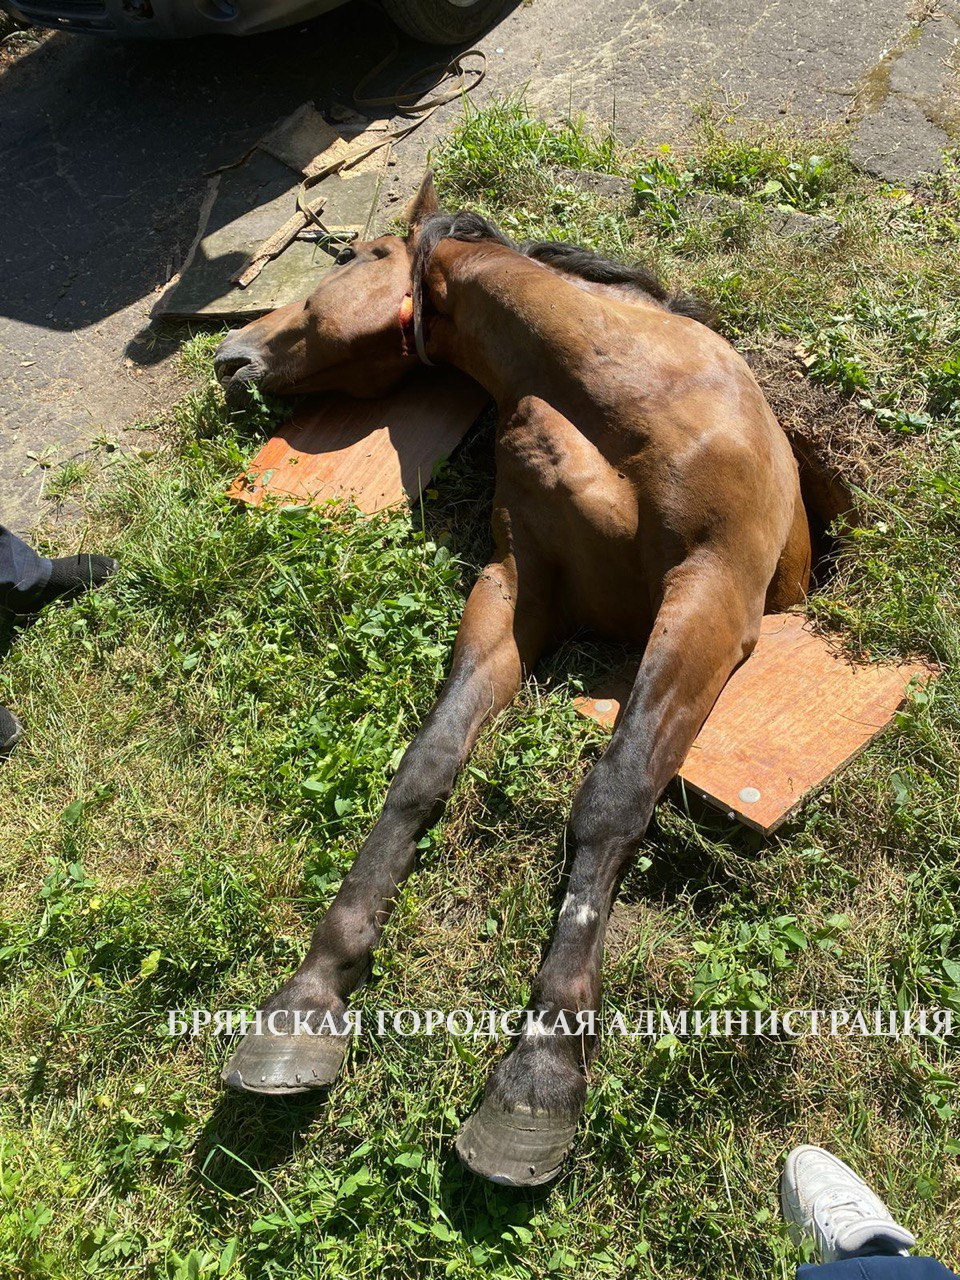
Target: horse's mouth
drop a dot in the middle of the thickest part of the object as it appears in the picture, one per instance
(236, 376)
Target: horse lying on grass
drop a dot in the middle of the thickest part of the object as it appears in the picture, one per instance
(644, 491)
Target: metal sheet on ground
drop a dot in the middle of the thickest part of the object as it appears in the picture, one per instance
(788, 719)
(248, 205)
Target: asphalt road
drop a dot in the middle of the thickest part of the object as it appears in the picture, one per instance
(104, 147)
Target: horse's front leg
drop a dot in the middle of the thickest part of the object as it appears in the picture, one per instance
(526, 1122)
(500, 638)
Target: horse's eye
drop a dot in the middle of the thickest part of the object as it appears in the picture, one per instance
(345, 255)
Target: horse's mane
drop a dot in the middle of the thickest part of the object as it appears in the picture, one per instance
(569, 259)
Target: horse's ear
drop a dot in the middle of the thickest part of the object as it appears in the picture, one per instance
(424, 203)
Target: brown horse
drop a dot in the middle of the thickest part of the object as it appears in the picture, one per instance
(644, 491)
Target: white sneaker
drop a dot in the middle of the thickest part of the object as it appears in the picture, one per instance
(824, 1200)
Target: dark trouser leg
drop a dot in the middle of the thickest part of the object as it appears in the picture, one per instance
(534, 1097)
(498, 639)
(22, 571)
(876, 1268)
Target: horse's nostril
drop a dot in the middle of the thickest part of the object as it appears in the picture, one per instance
(226, 365)
(237, 371)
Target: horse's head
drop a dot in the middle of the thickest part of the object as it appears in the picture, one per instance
(352, 334)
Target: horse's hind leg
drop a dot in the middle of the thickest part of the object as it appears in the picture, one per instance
(705, 627)
(500, 637)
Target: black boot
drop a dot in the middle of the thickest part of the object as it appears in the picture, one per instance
(10, 731)
(70, 576)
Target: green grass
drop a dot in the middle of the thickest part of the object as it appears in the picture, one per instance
(211, 736)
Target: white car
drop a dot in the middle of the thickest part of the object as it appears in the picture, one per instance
(435, 21)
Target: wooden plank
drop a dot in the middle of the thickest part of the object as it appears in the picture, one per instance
(788, 719)
(377, 452)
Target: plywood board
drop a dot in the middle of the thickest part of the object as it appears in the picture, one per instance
(787, 720)
(377, 452)
(245, 207)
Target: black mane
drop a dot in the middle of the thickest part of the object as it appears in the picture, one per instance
(571, 259)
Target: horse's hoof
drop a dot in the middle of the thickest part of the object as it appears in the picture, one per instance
(519, 1148)
(281, 1065)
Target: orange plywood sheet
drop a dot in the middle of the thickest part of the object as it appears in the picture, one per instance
(787, 720)
(377, 453)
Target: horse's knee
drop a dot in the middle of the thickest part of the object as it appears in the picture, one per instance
(611, 810)
(425, 777)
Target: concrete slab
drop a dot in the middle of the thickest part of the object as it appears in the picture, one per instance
(648, 64)
(898, 142)
(918, 72)
(907, 108)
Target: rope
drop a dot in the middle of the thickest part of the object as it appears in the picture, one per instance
(407, 102)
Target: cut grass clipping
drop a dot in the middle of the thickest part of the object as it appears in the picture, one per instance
(211, 736)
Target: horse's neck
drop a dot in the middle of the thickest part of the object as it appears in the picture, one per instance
(509, 323)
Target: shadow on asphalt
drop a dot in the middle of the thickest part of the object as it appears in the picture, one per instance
(104, 148)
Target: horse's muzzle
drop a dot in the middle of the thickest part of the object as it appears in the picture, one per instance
(237, 367)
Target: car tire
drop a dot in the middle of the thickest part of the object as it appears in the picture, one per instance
(442, 21)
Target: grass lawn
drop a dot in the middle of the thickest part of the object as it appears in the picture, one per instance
(211, 736)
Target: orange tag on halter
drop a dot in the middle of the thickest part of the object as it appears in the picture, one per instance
(405, 317)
